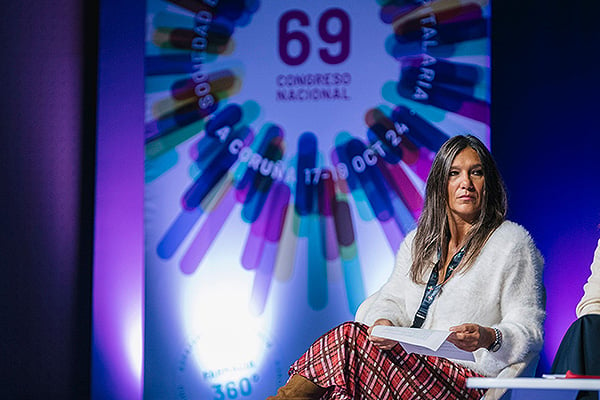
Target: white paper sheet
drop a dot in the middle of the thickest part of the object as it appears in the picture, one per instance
(423, 341)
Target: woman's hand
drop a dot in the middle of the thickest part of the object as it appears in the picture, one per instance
(470, 337)
(382, 343)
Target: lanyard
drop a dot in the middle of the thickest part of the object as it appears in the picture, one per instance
(433, 288)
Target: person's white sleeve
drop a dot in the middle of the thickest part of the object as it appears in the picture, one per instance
(590, 302)
(389, 301)
(522, 303)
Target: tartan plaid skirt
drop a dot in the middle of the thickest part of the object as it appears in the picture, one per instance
(345, 361)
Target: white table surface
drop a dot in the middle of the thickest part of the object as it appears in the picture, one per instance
(534, 383)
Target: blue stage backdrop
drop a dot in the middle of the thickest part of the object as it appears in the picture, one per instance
(286, 148)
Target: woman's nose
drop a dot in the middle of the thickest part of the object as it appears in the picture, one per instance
(466, 181)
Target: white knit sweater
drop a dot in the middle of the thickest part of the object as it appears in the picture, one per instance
(502, 289)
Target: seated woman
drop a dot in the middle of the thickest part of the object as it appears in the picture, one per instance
(464, 269)
(579, 350)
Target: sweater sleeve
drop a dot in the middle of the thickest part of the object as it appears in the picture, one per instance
(590, 302)
(522, 303)
(389, 302)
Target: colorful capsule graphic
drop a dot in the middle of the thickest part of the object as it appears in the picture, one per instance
(316, 195)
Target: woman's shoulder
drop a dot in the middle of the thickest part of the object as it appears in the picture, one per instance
(510, 237)
(410, 236)
(511, 232)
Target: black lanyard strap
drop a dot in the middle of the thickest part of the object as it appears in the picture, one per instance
(433, 287)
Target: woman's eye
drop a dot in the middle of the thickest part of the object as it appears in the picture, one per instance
(477, 172)
(453, 173)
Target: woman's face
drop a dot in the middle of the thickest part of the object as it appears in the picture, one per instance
(465, 186)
